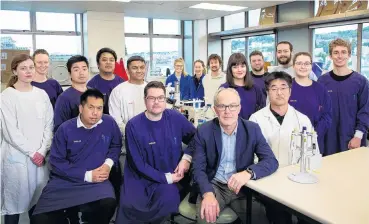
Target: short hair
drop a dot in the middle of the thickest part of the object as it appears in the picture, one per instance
(75, 59)
(285, 42)
(105, 50)
(221, 89)
(302, 54)
(215, 57)
(339, 42)
(91, 93)
(236, 59)
(278, 75)
(135, 58)
(39, 51)
(254, 53)
(152, 85)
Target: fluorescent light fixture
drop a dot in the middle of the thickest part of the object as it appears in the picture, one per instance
(120, 0)
(219, 7)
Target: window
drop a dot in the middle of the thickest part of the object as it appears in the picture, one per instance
(16, 42)
(188, 42)
(232, 46)
(265, 44)
(66, 46)
(15, 20)
(254, 17)
(138, 46)
(322, 38)
(165, 51)
(235, 21)
(55, 21)
(214, 25)
(365, 51)
(167, 26)
(136, 25)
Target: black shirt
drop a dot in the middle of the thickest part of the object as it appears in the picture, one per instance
(338, 77)
(276, 115)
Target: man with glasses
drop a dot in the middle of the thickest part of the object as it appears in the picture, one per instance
(224, 158)
(277, 122)
(156, 163)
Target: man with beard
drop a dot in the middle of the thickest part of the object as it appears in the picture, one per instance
(214, 78)
(258, 73)
(284, 57)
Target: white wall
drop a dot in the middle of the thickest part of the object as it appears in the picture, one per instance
(200, 40)
(102, 29)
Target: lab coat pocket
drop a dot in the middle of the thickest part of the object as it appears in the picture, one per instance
(40, 109)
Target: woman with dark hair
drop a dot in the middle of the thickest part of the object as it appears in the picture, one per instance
(27, 124)
(238, 77)
(310, 97)
(41, 79)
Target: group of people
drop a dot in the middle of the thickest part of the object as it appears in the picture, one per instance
(61, 151)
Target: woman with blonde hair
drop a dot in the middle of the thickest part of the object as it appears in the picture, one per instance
(26, 132)
(41, 79)
(181, 77)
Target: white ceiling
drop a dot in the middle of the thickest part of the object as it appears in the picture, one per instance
(148, 9)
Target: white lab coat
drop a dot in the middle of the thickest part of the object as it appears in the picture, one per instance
(26, 128)
(126, 101)
(279, 136)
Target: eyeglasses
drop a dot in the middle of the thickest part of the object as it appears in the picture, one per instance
(300, 63)
(223, 107)
(153, 99)
(282, 89)
(179, 66)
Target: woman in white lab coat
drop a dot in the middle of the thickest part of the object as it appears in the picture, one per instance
(26, 132)
(279, 119)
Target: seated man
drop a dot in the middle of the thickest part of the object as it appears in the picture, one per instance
(277, 122)
(155, 161)
(224, 159)
(82, 153)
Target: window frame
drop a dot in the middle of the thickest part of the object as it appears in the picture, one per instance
(34, 31)
(151, 36)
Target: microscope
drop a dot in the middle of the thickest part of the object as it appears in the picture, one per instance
(304, 150)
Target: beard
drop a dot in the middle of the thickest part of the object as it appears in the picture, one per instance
(286, 62)
(258, 69)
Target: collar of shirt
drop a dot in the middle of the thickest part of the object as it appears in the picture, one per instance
(80, 123)
(234, 131)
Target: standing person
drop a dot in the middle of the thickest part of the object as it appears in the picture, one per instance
(82, 153)
(238, 77)
(126, 101)
(66, 106)
(156, 164)
(26, 124)
(196, 85)
(310, 97)
(181, 76)
(349, 92)
(257, 70)
(40, 80)
(106, 80)
(214, 78)
(284, 57)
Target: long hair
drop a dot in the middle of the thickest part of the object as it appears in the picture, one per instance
(180, 60)
(238, 59)
(14, 65)
(203, 65)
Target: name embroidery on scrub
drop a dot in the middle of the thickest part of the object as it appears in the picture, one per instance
(152, 143)
(77, 141)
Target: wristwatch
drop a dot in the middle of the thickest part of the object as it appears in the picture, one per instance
(251, 173)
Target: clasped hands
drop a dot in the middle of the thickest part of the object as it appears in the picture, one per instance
(101, 173)
(181, 169)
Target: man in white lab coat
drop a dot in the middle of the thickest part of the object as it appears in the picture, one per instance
(277, 121)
